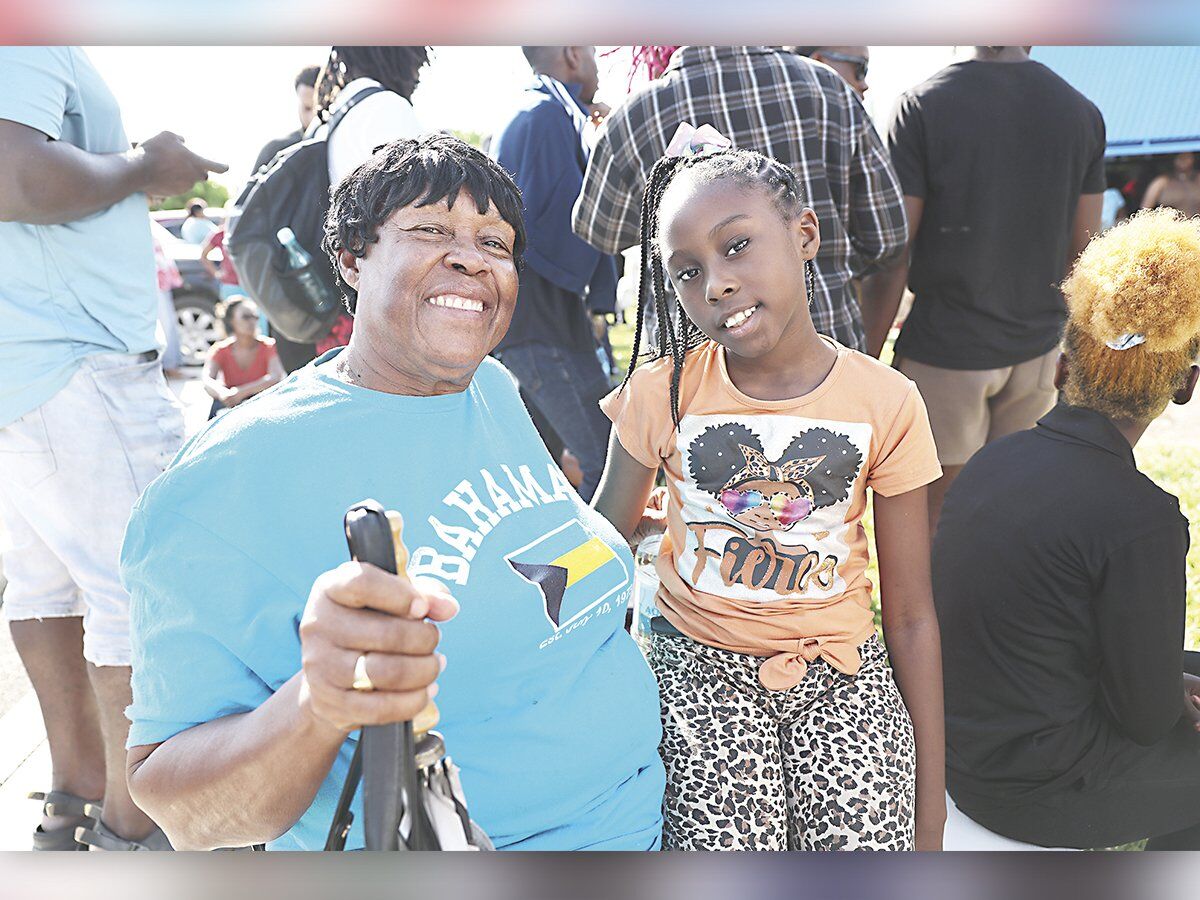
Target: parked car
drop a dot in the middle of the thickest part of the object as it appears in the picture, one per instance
(173, 219)
(195, 300)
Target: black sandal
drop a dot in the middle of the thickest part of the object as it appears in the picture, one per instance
(102, 838)
(60, 803)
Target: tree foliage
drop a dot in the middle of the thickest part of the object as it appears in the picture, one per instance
(210, 192)
(474, 138)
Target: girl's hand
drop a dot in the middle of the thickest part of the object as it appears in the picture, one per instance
(1191, 699)
(929, 837)
(569, 463)
(654, 518)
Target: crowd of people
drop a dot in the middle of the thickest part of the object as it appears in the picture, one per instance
(204, 657)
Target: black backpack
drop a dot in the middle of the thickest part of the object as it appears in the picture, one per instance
(291, 191)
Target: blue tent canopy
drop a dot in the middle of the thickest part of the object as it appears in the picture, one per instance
(1149, 96)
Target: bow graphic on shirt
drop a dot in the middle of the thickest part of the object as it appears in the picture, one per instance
(758, 467)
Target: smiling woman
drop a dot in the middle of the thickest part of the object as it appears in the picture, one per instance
(436, 257)
(248, 634)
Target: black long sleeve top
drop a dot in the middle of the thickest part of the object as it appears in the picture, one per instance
(1059, 579)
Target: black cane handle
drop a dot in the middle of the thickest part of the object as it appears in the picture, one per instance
(389, 753)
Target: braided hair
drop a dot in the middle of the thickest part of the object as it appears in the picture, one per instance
(396, 68)
(745, 167)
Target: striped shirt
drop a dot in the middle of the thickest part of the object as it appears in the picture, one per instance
(786, 107)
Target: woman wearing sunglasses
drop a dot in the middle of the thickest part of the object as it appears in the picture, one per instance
(245, 363)
(849, 62)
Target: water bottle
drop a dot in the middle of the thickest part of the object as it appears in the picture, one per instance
(645, 589)
(313, 292)
(603, 357)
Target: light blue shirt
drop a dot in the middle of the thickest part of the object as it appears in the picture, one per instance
(546, 704)
(195, 230)
(83, 287)
(1111, 205)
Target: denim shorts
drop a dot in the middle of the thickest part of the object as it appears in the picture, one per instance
(70, 472)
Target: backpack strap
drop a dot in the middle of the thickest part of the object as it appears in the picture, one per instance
(337, 117)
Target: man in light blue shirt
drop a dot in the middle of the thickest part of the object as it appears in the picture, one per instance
(86, 419)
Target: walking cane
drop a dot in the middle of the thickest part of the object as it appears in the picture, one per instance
(404, 768)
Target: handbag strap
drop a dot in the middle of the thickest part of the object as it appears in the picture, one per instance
(343, 818)
(390, 780)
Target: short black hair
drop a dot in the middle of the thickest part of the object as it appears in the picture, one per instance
(417, 172)
(537, 57)
(307, 77)
(745, 167)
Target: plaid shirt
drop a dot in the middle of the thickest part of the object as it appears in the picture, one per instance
(786, 107)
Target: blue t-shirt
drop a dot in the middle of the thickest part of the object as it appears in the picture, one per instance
(83, 287)
(546, 703)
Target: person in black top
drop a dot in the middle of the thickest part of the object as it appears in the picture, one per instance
(293, 354)
(1002, 167)
(305, 84)
(1059, 577)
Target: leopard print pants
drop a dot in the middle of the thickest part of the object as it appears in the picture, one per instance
(827, 765)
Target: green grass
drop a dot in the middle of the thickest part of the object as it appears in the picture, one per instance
(621, 338)
(1174, 468)
(1177, 469)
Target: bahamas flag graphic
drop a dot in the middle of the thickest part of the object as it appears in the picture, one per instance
(572, 569)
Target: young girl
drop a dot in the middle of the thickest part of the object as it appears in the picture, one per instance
(782, 726)
(246, 362)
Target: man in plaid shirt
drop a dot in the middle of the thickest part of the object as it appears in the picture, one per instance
(786, 107)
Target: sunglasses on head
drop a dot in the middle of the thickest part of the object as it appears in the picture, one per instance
(859, 62)
(787, 509)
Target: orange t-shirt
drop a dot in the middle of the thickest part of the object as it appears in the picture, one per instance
(765, 551)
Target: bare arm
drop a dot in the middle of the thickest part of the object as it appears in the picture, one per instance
(624, 489)
(239, 780)
(1087, 223)
(206, 250)
(882, 291)
(914, 646)
(1154, 192)
(213, 385)
(274, 375)
(246, 778)
(48, 182)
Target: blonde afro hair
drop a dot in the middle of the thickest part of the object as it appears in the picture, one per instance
(1139, 278)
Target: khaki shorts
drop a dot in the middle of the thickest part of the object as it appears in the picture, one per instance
(70, 472)
(969, 408)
